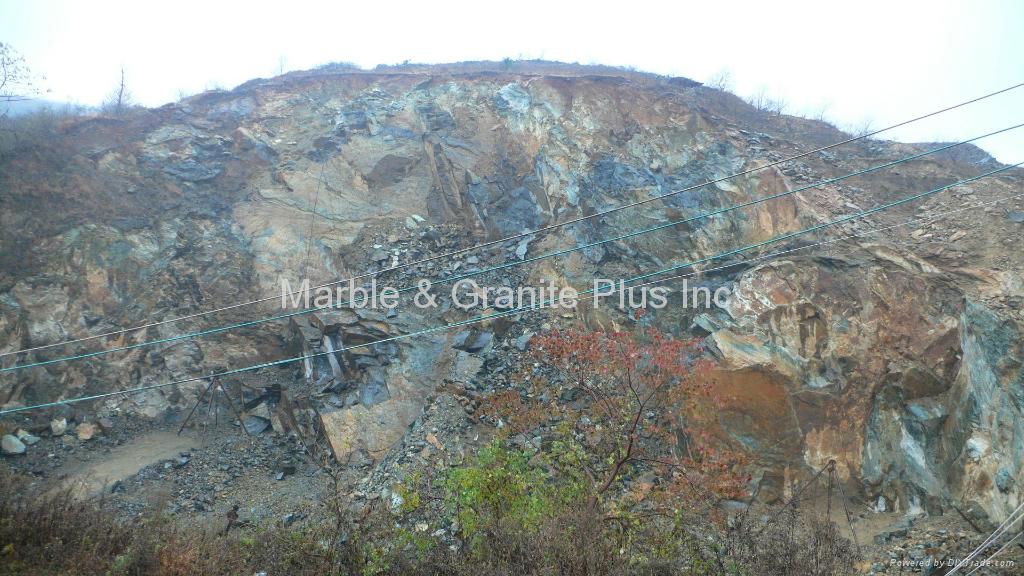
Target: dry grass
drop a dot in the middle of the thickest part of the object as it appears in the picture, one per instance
(60, 534)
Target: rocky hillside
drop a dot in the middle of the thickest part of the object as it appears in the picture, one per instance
(898, 353)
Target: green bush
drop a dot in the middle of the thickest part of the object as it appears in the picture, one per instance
(501, 487)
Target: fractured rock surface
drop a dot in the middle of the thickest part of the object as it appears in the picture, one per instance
(898, 353)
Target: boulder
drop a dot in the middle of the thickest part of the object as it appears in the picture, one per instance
(11, 445)
(373, 429)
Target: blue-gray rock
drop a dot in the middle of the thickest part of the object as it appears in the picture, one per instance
(472, 341)
(193, 171)
(11, 445)
(1004, 479)
(374, 389)
(256, 425)
(524, 341)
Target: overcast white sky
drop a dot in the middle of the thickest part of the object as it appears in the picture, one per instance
(883, 61)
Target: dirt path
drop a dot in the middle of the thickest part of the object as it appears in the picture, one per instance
(126, 460)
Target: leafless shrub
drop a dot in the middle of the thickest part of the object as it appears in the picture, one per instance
(776, 106)
(34, 129)
(820, 113)
(793, 543)
(761, 101)
(862, 128)
(721, 80)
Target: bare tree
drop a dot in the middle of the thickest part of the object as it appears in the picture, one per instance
(863, 128)
(765, 103)
(821, 112)
(775, 106)
(15, 78)
(17, 85)
(759, 99)
(721, 80)
(119, 100)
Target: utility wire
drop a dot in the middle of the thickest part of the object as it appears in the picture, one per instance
(996, 553)
(521, 309)
(523, 234)
(1010, 520)
(553, 254)
(771, 255)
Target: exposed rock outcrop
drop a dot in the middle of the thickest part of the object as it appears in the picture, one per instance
(898, 355)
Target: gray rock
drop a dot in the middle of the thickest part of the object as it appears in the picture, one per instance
(472, 341)
(11, 445)
(889, 535)
(522, 248)
(524, 341)
(375, 389)
(190, 170)
(1016, 216)
(256, 425)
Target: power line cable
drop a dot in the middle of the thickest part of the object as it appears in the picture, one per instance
(1001, 549)
(522, 309)
(456, 278)
(912, 221)
(1010, 520)
(522, 234)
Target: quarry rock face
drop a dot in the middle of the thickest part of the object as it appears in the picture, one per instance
(908, 385)
(897, 353)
